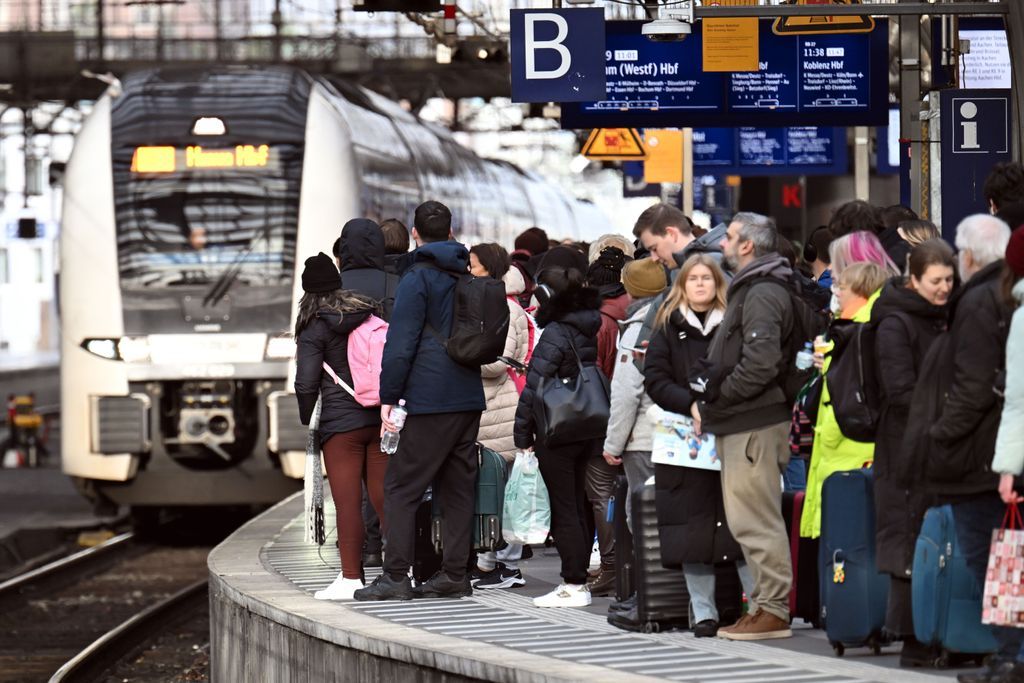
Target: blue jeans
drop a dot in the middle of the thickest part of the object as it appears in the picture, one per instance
(795, 476)
(700, 583)
(975, 519)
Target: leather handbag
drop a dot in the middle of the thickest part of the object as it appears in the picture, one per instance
(572, 409)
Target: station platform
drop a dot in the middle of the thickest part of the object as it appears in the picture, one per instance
(265, 624)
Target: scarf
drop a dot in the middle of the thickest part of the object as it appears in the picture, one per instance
(313, 482)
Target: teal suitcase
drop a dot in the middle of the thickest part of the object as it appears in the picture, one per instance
(490, 502)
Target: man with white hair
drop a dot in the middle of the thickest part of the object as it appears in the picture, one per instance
(959, 463)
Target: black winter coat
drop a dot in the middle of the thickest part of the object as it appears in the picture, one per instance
(326, 340)
(363, 266)
(906, 326)
(570, 318)
(965, 433)
(691, 512)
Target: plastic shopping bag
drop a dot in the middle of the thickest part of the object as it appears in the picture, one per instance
(526, 517)
(1003, 603)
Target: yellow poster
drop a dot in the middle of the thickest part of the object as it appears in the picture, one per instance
(664, 162)
(730, 44)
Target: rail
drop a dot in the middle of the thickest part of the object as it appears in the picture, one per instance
(104, 652)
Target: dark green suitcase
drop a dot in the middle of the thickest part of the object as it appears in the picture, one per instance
(490, 501)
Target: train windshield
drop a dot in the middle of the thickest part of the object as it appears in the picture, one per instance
(190, 219)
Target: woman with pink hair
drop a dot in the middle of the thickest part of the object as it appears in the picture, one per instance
(859, 247)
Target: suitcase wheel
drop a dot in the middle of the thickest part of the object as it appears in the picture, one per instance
(942, 660)
(838, 649)
(651, 627)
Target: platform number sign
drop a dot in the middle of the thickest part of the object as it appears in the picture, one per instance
(557, 55)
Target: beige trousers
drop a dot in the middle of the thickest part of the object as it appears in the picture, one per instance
(752, 465)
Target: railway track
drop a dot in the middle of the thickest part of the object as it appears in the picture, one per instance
(80, 615)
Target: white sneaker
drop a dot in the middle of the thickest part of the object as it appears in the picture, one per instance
(341, 589)
(566, 595)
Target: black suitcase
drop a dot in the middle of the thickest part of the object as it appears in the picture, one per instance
(623, 540)
(662, 601)
(426, 560)
(805, 597)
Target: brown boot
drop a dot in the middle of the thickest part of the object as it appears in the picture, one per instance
(604, 583)
(762, 626)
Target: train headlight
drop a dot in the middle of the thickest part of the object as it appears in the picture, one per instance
(280, 347)
(134, 349)
(104, 348)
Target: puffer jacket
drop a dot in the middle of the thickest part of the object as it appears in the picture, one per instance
(748, 350)
(691, 511)
(832, 451)
(571, 318)
(960, 463)
(1009, 458)
(499, 390)
(362, 264)
(326, 340)
(907, 324)
(628, 426)
(613, 311)
(415, 366)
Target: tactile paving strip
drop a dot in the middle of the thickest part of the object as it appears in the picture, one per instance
(505, 619)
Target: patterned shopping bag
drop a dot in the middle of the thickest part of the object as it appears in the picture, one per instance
(1003, 604)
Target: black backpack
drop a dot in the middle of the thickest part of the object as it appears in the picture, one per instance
(479, 321)
(808, 322)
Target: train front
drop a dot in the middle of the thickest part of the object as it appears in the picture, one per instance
(178, 271)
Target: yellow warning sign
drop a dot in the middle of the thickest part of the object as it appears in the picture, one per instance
(825, 23)
(615, 144)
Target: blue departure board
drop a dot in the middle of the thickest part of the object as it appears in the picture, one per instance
(801, 150)
(828, 80)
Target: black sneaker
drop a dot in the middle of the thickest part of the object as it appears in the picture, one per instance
(706, 629)
(501, 577)
(475, 574)
(623, 605)
(440, 586)
(1002, 672)
(386, 588)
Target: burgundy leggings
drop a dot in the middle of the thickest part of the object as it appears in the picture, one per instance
(349, 458)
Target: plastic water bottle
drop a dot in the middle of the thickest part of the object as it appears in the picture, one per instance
(805, 357)
(389, 442)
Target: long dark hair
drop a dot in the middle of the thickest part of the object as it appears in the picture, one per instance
(338, 300)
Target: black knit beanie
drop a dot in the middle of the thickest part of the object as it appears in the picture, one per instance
(607, 269)
(320, 275)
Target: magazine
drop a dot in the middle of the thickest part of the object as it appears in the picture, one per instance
(675, 442)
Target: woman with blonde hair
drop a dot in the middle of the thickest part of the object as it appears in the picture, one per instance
(691, 513)
(859, 286)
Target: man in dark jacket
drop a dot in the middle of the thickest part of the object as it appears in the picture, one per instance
(444, 401)
(744, 406)
(960, 459)
(361, 258)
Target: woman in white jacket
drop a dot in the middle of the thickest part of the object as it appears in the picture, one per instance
(628, 440)
(501, 570)
(1009, 458)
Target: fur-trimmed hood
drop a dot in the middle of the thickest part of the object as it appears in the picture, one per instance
(580, 308)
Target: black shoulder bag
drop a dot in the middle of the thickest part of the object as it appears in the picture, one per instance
(573, 409)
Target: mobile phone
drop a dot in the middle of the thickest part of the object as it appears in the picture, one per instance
(512, 363)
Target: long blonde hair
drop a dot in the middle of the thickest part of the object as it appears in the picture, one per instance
(677, 295)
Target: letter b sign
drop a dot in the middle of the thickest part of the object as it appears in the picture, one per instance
(557, 55)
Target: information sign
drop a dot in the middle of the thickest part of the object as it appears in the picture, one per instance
(833, 80)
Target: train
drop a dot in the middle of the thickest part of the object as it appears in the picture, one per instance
(191, 198)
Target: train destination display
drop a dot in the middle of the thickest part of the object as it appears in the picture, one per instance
(832, 80)
(801, 150)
